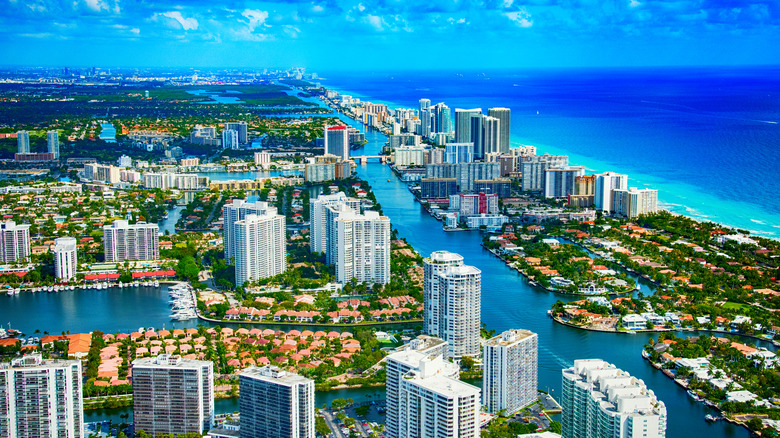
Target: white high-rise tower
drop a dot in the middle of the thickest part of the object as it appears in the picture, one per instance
(65, 258)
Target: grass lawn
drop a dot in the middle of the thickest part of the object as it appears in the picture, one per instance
(736, 306)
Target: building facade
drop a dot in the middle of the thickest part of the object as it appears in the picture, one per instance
(230, 139)
(260, 246)
(634, 202)
(275, 404)
(172, 395)
(363, 247)
(236, 211)
(560, 182)
(14, 241)
(337, 141)
(452, 293)
(241, 129)
(122, 241)
(65, 258)
(318, 217)
(603, 186)
(600, 400)
(509, 371)
(23, 142)
(504, 115)
(533, 169)
(53, 143)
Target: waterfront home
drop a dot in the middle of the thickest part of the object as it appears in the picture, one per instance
(632, 321)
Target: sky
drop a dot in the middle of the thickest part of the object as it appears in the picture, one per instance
(389, 34)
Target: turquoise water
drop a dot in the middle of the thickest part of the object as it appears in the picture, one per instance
(706, 138)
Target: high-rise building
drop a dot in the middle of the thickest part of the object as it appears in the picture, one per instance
(240, 128)
(230, 139)
(559, 182)
(438, 262)
(473, 204)
(126, 161)
(408, 358)
(584, 191)
(262, 158)
(452, 293)
(441, 118)
(425, 399)
(41, 398)
(332, 212)
(172, 395)
(605, 183)
(534, 167)
(634, 202)
(23, 142)
(122, 241)
(459, 152)
(463, 126)
(362, 247)
(337, 141)
(509, 371)
(601, 400)
(260, 246)
(504, 115)
(424, 104)
(102, 173)
(65, 258)
(409, 156)
(466, 174)
(235, 211)
(318, 219)
(319, 172)
(275, 404)
(491, 135)
(14, 241)
(53, 143)
(477, 135)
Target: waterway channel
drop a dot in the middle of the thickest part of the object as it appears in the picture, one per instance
(508, 301)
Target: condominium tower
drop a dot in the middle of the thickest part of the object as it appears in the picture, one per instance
(41, 398)
(634, 202)
(337, 141)
(235, 211)
(65, 258)
(230, 139)
(452, 293)
(509, 371)
(600, 400)
(241, 130)
(53, 143)
(425, 399)
(172, 395)
(559, 182)
(504, 115)
(275, 404)
(605, 183)
(534, 167)
(463, 124)
(261, 246)
(318, 217)
(14, 241)
(362, 247)
(122, 241)
(23, 142)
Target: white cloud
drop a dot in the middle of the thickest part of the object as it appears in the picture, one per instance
(317, 8)
(521, 17)
(508, 3)
(135, 30)
(375, 21)
(360, 7)
(634, 3)
(186, 23)
(256, 17)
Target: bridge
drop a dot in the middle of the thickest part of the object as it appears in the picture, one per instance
(364, 158)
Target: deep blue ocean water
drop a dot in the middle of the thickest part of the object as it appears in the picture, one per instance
(706, 138)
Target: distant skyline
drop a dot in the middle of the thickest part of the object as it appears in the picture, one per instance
(354, 34)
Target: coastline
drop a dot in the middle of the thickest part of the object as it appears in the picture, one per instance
(675, 193)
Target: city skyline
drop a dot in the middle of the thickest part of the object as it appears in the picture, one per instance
(276, 34)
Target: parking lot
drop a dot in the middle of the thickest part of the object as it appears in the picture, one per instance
(366, 424)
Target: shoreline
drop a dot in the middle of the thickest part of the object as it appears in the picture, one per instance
(683, 210)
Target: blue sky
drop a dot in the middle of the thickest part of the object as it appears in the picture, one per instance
(389, 34)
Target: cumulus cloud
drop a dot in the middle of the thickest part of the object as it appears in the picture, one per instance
(186, 23)
(256, 17)
(521, 17)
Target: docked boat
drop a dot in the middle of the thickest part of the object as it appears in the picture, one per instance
(693, 395)
(710, 418)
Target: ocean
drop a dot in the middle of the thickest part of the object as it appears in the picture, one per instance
(706, 138)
